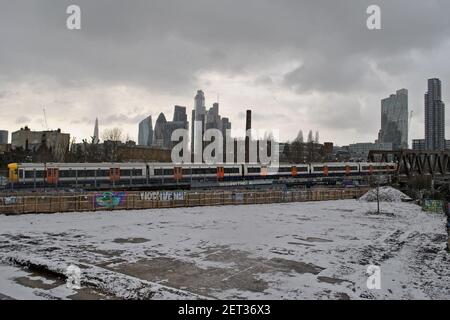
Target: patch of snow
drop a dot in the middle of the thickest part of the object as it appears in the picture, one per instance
(336, 236)
(385, 194)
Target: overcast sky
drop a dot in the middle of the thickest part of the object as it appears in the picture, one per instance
(310, 65)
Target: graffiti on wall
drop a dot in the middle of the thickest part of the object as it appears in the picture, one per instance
(433, 206)
(9, 200)
(162, 195)
(109, 199)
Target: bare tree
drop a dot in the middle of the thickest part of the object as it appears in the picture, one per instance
(112, 134)
(299, 137)
(316, 139)
(310, 136)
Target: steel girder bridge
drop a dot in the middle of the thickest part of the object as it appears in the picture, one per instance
(415, 163)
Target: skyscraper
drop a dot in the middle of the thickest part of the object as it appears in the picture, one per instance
(96, 136)
(3, 137)
(199, 104)
(179, 114)
(179, 122)
(160, 135)
(145, 136)
(394, 120)
(434, 116)
(199, 123)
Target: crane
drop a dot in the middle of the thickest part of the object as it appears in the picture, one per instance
(45, 119)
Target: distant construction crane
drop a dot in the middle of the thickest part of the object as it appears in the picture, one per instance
(409, 120)
(45, 119)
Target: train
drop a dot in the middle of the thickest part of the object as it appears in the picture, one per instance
(93, 175)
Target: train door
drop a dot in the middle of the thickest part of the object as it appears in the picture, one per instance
(114, 174)
(220, 172)
(52, 175)
(347, 170)
(294, 171)
(263, 171)
(178, 173)
(325, 171)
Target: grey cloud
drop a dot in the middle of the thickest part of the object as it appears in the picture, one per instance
(164, 47)
(23, 120)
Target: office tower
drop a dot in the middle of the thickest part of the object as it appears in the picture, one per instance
(145, 136)
(96, 138)
(3, 137)
(248, 127)
(179, 114)
(213, 118)
(434, 116)
(199, 123)
(199, 104)
(394, 120)
(192, 134)
(179, 122)
(160, 137)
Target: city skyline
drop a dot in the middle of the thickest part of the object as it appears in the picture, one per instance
(284, 70)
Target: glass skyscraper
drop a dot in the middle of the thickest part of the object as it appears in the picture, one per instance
(434, 116)
(394, 120)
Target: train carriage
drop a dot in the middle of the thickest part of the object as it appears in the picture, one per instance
(334, 169)
(387, 168)
(104, 175)
(78, 174)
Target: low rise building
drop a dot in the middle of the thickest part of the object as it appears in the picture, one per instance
(360, 151)
(55, 141)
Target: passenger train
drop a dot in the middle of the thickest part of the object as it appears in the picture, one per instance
(145, 174)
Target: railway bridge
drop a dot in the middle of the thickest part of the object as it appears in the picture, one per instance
(415, 163)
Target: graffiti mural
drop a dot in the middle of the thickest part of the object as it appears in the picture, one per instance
(433, 206)
(162, 195)
(109, 199)
(9, 200)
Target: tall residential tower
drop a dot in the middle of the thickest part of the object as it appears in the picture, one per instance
(394, 120)
(434, 116)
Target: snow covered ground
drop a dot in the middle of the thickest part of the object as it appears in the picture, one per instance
(311, 250)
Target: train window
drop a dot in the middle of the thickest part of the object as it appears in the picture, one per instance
(302, 169)
(29, 174)
(187, 171)
(137, 172)
(40, 173)
(125, 172)
(231, 170)
(253, 170)
(342, 168)
(284, 169)
(67, 173)
(102, 173)
(318, 168)
(168, 172)
(204, 171)
(81, 173)
(90, 173)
